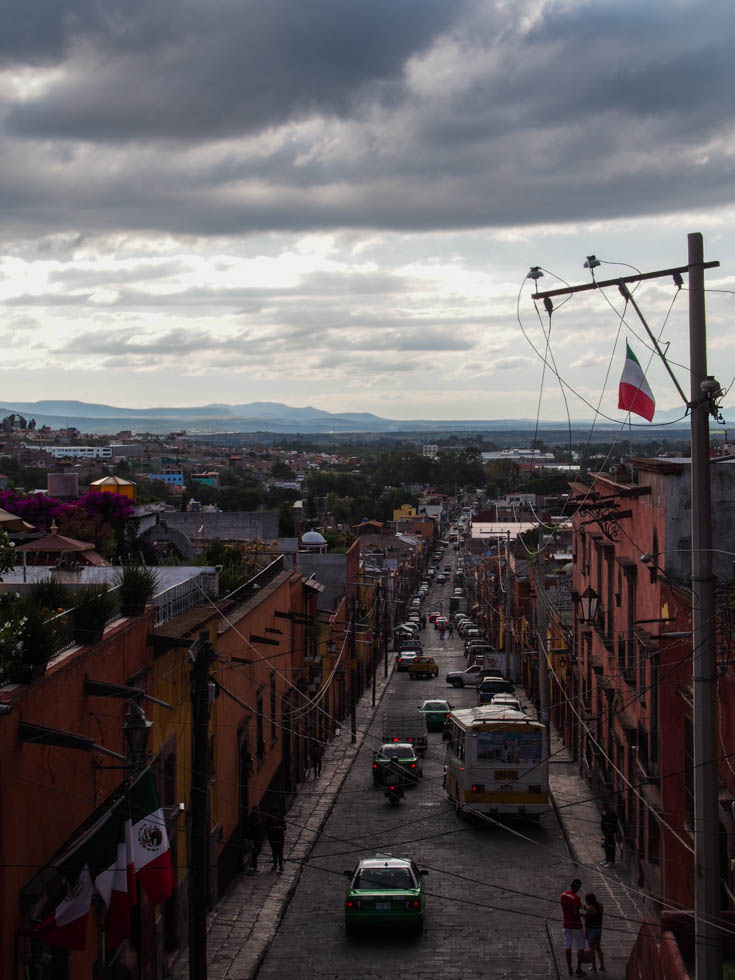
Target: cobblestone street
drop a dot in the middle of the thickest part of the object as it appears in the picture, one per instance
(493, 890)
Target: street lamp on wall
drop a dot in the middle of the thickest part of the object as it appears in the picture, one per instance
(588, 602)
(136, 730)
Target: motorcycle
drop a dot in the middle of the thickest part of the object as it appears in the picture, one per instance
(394, 792)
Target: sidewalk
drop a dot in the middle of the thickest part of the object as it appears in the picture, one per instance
(580, 820)
(245, 921)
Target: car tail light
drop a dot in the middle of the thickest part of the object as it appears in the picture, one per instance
(391, 788)
(375, 765)
(350, 903)
(395, 739)
(446, 716)
(415, 904)
(413, 765)
(478, 788)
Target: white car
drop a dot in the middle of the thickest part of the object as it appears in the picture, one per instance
(472, 677)
(506, 701)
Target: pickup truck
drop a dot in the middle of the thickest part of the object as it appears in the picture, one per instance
(423, 667)
(471, 677)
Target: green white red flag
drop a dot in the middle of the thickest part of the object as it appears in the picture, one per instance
(634, 393)
(115, 881)
(151, 850)
(66, 927)
(128, 845)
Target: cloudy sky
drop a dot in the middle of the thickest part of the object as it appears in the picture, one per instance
(336, 203)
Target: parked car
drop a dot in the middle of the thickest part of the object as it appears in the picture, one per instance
(441, 577)
(408, 760)
(479, 647)
(491, 686)
(507, 701)
(473, 633)
(385, 891)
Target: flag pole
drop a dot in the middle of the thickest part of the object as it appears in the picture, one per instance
(628, 296)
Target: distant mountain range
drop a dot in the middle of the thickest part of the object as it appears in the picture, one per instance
(258, 417)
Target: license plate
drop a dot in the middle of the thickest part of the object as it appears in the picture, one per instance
(382, 906)
(506, 775)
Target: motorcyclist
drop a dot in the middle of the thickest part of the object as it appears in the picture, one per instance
(396, 777)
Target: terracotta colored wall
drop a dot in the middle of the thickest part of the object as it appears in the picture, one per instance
(47, 792)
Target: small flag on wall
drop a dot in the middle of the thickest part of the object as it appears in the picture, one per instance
(634, 394)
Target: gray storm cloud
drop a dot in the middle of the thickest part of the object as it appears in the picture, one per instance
(233, 118)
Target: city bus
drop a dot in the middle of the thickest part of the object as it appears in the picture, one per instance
(496, 762)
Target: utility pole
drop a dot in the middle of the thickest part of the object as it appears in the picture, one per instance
(353, 669)
(508, 633)
(708, 935)
(376, 634)
(543, 660)
(198, 857)
(704, 391)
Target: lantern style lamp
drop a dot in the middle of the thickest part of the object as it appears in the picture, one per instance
(589, 601)
(136, 730)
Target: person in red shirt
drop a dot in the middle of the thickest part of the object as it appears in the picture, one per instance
(572, 930)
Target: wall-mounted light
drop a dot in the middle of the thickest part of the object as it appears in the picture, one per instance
(136, 730)
(589, 601)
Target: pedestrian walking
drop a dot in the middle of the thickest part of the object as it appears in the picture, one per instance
(451, 631)
(276, 838)
(315, 757)
(255, 834)
(423, 622)
(609, 828)
(593, 912)
(441, 634)
(572, 930)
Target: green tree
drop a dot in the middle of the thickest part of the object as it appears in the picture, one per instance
(281, 471)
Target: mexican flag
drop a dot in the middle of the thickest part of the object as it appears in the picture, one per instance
(151, 850)
(66, 927)
(634, 394)
(115, 879)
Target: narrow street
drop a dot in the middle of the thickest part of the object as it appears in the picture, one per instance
(490, 889)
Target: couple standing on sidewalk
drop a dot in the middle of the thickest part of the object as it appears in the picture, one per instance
(271, 827)
(578, 934)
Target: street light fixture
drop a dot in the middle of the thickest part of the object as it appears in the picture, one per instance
(589, 601)
(136, 730)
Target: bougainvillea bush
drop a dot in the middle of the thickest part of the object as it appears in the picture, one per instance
(98, 517)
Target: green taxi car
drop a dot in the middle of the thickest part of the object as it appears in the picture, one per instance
(408, 761)
(385, 891)
(436, 713)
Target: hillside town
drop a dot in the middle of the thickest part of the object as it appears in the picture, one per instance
(201, 662)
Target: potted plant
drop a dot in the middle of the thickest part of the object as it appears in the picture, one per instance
(27, 639)
(93, 608)
(136, 586)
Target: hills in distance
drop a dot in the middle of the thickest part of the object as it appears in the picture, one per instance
(259, 417)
